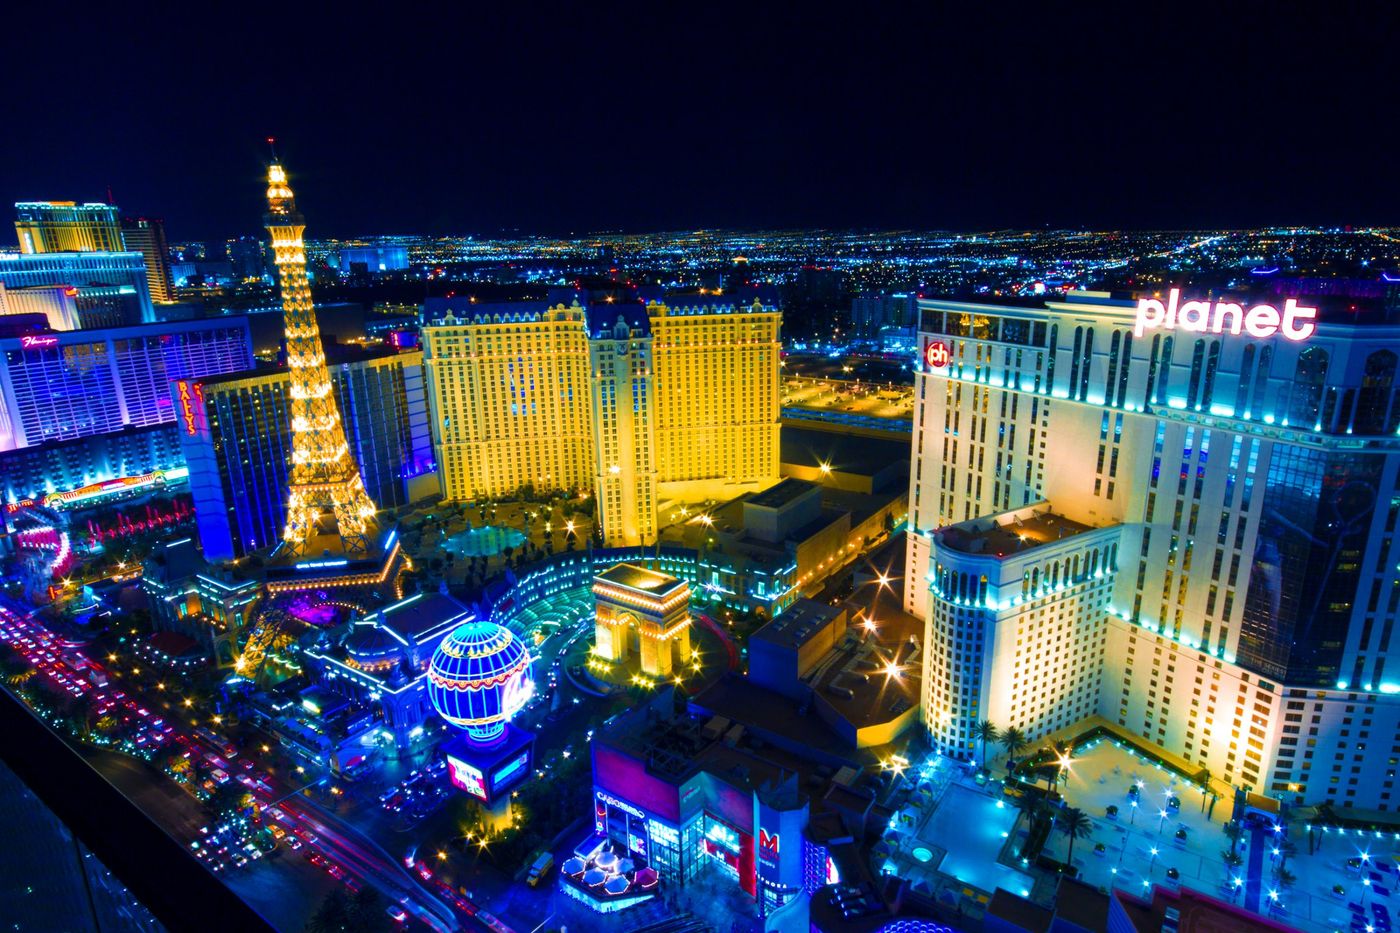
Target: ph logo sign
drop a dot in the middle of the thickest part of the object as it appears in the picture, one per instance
(1295, 322)
(937, 354)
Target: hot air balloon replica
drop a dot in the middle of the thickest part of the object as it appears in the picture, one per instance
(479, 678)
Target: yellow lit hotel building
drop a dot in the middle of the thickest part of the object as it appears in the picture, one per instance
(717, 397)
(67, 227)
(508, 390)
(674, 400)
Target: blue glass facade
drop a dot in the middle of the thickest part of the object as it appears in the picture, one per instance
(238, 446)
(34, 472)
(79, 383)
(1316, 518)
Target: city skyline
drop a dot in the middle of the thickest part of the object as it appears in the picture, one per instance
(693, 120)
(973, 509)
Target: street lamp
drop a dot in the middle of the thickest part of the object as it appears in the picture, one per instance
(1133, 818)
(1163, 819)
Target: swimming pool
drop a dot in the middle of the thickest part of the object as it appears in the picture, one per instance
(972, 828)
(483, 542)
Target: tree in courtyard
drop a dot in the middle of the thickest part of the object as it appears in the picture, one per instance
(1234, 832)
(1075, 824)
(1285, 878)
(1026, 806)
(1286, 850)
(984, 732)
(1013, 740)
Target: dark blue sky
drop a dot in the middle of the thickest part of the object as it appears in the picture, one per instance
(466, 121)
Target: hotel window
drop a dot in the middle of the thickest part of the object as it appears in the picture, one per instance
(1308, 378)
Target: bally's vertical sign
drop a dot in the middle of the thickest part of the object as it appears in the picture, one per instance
(189, 402)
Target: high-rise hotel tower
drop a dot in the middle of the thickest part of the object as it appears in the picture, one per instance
(1176, 515)
(674, 399)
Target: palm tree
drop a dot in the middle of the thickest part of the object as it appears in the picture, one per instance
(985, 731)
(1235, 832)
(1285, 878)
(1231, 858)
(1013, 740)
(1286, 850)
(1026, 805)
(1075, 824)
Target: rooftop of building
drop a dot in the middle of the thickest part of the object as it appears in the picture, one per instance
(175, 645)
(337, 354)
(1010, 532)
(740, 700)
(1082, 904)
(737, 543)
(782, 494)
(741, 298)
(1021, 913)
(175, 560)
(421, 615)
(641, 579)
(749, 738)
(877, 666)
(1189, 911)
(862, 505)
(843, 453)
(797, 624)
(602, 318)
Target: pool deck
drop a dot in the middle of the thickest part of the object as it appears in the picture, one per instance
(948, 839)
(1100, 775)
(963, 831)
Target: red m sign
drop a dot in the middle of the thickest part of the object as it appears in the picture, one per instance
(768, 843)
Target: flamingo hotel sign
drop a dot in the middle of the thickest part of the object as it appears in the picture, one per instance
(1294, 321)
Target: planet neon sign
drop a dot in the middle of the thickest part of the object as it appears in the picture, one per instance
(1295, 321)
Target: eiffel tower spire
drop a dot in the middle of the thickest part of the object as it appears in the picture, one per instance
(325, 480)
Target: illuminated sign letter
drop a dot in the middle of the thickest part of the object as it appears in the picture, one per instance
(186, 406)
(1222, 308)
(937, 354)
(1151, 313)
(1194, 315)
(1261, 321)
(766, 842)
(1292, 314)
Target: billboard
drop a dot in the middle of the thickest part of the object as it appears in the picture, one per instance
(466, 777)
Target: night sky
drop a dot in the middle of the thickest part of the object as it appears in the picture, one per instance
(472, 122)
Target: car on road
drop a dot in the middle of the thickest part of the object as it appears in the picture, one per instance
(396, 913)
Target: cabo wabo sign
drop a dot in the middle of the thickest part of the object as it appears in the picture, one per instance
(1295, 321)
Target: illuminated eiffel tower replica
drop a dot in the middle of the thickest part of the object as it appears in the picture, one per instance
(332, 540)
(325, 479)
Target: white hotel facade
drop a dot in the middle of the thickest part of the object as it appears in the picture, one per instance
(1187, 533)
